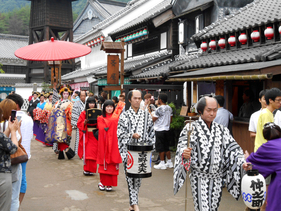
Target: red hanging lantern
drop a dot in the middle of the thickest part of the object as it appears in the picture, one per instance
(242, 38)
(98, 40)
(255, 35)
(269, 33)
(89, 44)
(279, 29)
(95, 41)
(232, 41)
(92, 43)
(213, 44)
(222, 43)
(102, 38)
(204, 46)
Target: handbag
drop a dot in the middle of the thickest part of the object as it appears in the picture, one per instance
(20, 156)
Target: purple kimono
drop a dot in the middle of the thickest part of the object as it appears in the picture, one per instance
(267, 160)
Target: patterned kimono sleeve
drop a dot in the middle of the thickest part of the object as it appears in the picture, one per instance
(179, 170)
(233, 161)
(56, 97)
(75, 113)
(150, 131)
(123, 135)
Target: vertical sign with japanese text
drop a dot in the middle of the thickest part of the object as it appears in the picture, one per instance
(112, 69)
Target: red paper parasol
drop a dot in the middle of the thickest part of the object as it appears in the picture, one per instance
(52, 50)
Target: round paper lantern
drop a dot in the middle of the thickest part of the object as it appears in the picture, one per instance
(204, 46)
(144, 32)
(222, 43)
(89, 44)
(95, 41)
(255, 35)
(92, 43)
(242, 38)
(269, 33)
(213, 44)
(98, 40)
(102, 38)
(232, 41)
(253, 188)
(279, 29)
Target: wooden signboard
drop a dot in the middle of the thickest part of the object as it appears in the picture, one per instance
(184, 111)
(113, 69)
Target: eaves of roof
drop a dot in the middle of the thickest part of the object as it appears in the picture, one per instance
(229, 57)
(158, 9)
(163, 68)
(257, 13)
(92, 33)
(231, 69)
(129, 65)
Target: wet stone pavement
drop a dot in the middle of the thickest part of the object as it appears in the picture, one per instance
(59, 185)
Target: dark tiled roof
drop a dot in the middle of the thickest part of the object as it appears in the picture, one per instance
(139, 63)
(129, 65)
(9, 44)
(158, 9)
(232, 57)
(10, 81)
(163, 68)
(257, 13)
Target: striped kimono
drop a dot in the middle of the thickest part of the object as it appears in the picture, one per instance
(215, 157)
(129, 123)
(77, 109)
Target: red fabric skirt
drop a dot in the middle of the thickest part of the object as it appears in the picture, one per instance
(62, 146)
(108, 180)
(90, 166)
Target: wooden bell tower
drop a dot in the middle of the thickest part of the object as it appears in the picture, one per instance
(49, 18)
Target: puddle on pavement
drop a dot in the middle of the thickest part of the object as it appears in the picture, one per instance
(76, 195)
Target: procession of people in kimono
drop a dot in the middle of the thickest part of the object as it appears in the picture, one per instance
(206, 151)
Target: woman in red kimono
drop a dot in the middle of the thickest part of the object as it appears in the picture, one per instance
(108, 152)
(88, 145)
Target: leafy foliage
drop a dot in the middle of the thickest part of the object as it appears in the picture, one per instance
(15, 15)
(1, 70)
(177, 121)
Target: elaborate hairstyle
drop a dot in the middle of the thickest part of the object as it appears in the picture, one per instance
(272, 94)
(37, 93)
(7, 106)
(271, 131)
(107, 103)
(65, 88)
(90, 100)
(163, 97)
(16, 98)
(220, 100)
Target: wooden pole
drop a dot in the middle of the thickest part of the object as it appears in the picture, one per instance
(122, 66)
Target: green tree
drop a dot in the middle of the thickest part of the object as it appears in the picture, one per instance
(1, 70)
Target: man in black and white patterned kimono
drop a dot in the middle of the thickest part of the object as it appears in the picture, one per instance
(215, 158)
(77, 109)
(135, 125)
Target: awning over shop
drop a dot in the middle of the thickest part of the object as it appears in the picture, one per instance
(230, 72)
(103, 82)
(78, 86)
(224, 77)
